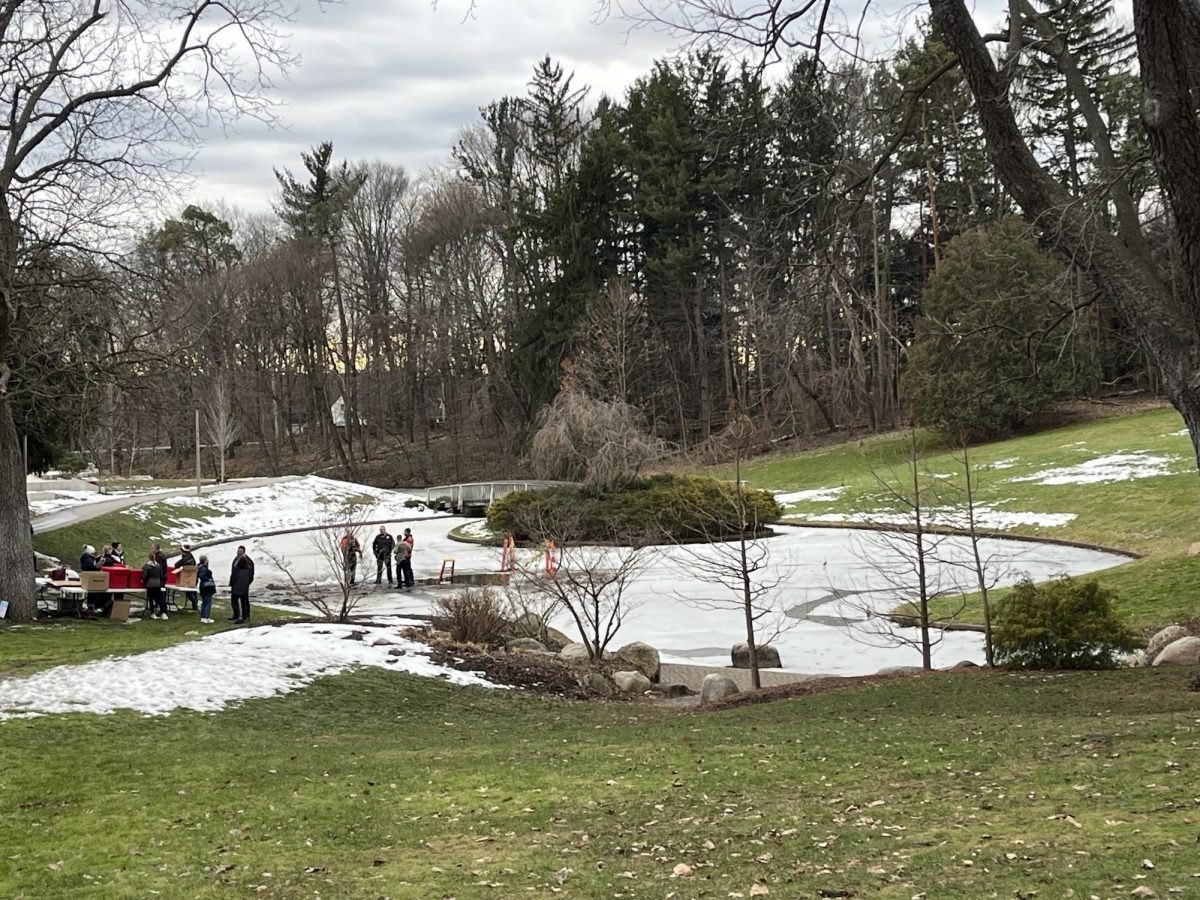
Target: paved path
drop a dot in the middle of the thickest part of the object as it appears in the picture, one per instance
(72, 515)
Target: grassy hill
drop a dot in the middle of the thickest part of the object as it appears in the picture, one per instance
(381, 785)
(1128, 482)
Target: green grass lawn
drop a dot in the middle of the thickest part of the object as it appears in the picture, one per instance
(136, 527)
(380, 785)
(1159, 515)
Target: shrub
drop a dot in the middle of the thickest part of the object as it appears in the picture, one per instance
(993, 345)
(475, 616)
(655, 509)
(1063, 624)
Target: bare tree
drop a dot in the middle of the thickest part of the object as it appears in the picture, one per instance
(335, 523)
(741, 565)
(592, 440)
(982, 564)
(906, 559)
(223, 425)
(591, 582)
(97, 100)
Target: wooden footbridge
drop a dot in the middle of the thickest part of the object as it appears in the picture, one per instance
(477, 496)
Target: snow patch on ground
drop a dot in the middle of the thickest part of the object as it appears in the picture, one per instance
(209, 674)
(1106, 469)
(814, 495)
(986, 517)
(1007, 463)
(477, 528)
(300, 503)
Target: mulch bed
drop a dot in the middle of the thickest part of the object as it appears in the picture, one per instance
(521, 670)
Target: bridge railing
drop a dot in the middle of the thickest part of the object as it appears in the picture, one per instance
(484, 493)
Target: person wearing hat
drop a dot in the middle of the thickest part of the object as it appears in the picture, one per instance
(186, 559)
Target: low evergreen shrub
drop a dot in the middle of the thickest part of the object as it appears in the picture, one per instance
(656, 509)
(1062, 624)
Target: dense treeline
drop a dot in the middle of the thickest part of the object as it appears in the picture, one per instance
(718, 244)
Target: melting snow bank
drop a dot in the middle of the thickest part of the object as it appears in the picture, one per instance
(986, 517)
(1107, 469)
(209, 674)
(815, 495)
(299, 503)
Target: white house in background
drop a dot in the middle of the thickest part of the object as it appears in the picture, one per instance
(338, 413)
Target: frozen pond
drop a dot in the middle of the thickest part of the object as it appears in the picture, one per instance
(829, 584)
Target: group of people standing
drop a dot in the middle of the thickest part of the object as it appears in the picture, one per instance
(384, 547)
(155, 580)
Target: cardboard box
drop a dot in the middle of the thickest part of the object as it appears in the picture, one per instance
(187, 577)
(120, 611)
(93, 581)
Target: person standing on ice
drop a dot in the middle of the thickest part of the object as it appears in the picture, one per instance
(404, 572)
(382, 547)
(351, 550)
(241, 575)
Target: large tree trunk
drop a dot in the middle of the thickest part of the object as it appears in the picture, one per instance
(16, 541)
(1168, 323)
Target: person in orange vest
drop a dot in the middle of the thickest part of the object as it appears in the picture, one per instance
(351, 550)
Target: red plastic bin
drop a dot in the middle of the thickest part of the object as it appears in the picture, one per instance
(135, 579)
(172, 576)
(118, 577)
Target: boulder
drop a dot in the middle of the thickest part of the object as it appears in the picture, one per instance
(529, 625)
(595, 683)
(631, 682)
(768, 656)
(1161, 639)
(1183, 652)
(965, 664)
(900, 670)
(525, 645)
(556, 637)
(575, 653)
(642, 657)
(716, 687)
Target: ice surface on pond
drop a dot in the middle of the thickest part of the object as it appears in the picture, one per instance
(1106, 469)
(834, 575)
(211, 673)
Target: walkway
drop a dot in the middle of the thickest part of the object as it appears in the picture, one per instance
(72, 515)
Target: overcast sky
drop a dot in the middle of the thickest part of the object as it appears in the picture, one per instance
(397, 79)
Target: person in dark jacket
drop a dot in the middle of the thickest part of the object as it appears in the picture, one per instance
(118, 552)
(207, 586)
(241, 575)
(382, 547)
(153, 580)
(161, 559)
